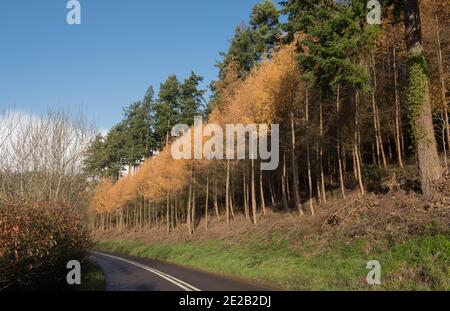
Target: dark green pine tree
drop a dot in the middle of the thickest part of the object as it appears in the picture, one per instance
(139, 130)
(301, 14)
(107, 156)
(148, 107)
(251, 42)
(95, 160)
(337, 39)
(116, 151)
(192, 99)
(167, 110)
(127, 144)
(242, 51)
(266, 27)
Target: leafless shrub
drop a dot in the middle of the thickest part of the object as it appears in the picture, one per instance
(41, 157)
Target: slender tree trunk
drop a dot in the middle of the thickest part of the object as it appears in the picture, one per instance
(231, 197)
(444, 144)
(253, 193)
(356, 143)
(245, 189)
(308, 155)
(134, 216)
(141, 215)
(182, 211)
(173, 211)
(176, 210)
(288, 187)
(283, 183)
(298, 202)
(127, 218)
(168, 213)
(227, 194)
(355, 165)
(322, 175)
(207, 202)
(189, 205)
(338, 143)
(194, 207)
(376, 116)
(261, 193)
(216, 203)
(398, 120)
(446, 131)
(121, 220)
(272, 195)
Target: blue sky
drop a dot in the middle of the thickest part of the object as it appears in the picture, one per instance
(107, 62)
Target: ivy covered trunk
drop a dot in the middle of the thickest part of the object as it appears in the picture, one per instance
(430, 169)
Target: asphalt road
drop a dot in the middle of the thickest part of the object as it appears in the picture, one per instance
(129, 273)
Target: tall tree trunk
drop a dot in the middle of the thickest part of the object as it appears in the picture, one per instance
(128, 218)
(231, 196)
(194, 207)
(446, 131)
(357, 144)
(272, 194)
(398, 116)
(419, 101)
(288, 187)
(245, 190)
(298, 202)
(261, 193)
(216, 203)
(253, 193)
(136, 215)
(207, 201)
(176, 210)
(376, 115)
(168, 213)
(322, 175)
(283, 183)
(308, 155)
(173, 211)
(189, 206)
(444, 143)
(338, 141)
(227, 194)
(121, 220)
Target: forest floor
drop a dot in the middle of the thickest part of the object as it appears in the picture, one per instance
(407, 235)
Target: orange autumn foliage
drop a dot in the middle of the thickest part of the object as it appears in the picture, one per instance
(263, 97)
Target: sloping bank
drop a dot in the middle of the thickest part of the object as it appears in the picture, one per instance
(417, 264)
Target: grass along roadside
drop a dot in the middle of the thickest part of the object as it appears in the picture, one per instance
(417, 264)
(92, 277)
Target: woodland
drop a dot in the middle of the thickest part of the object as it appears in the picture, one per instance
(358, 105)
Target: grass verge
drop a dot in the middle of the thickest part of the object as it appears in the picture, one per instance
(93, 278)
(417, 264)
